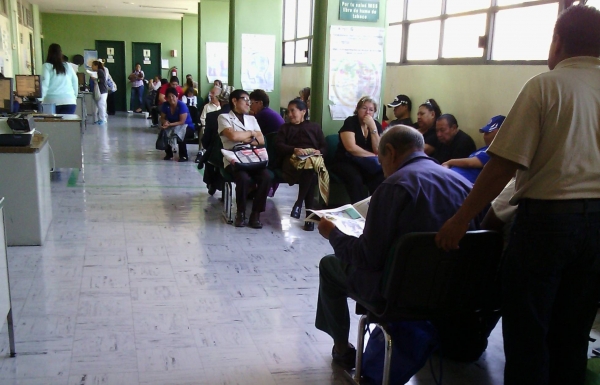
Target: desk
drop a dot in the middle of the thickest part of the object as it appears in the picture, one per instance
(5, 303)
(25, 185)
(65, 138)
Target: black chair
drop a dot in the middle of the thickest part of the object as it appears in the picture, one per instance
(423, 282)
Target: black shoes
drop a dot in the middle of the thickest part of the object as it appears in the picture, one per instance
(240, 219)
(346, 360)
(168, 157)
(309, 226)
(183, 159)
(254, 221)
(212, 189)
(296, 210)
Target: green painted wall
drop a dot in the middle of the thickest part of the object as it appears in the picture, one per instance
(213, 27)
(189, 46)
(78, 32)
(262, 17)
(326, 15)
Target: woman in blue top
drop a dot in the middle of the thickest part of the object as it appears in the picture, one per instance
(59, 82)
(175, 117)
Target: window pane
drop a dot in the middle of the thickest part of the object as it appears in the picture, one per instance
(303, 18)
(461, 36)
(301, 51)
(501, 3)
(289, 23)
(395, 10)
(524, 33)
(593, 3)
(393, 44)
(420, 9)
(288, 49)
(456, 6)
(423, 41)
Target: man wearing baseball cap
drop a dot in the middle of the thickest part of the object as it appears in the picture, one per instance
(471, 167)
(402, 106)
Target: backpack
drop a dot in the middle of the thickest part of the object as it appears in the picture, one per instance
(413, 344)
(110, 84)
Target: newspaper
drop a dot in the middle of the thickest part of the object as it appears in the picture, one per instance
(349, 219)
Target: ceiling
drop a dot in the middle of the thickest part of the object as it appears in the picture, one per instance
(161, 9)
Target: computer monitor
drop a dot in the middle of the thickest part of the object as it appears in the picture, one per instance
(81, 79)
(29, 86)
(6, 95)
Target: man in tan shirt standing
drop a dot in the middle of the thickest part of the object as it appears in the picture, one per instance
(551, 277)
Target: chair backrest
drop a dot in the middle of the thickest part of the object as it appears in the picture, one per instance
(194, 114)
(215, 157)
(271, 150)
(332, 145)
(423, 281)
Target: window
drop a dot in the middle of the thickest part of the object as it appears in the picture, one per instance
(593, 3)
(474, 31)
(297, 31)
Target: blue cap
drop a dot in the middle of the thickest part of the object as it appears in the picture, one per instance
(493, 124)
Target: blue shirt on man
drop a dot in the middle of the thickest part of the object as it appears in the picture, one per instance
(420, 196)
(471, 173)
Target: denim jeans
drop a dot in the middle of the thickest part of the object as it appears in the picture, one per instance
(137, 98)
(551, 286)
(66, 109)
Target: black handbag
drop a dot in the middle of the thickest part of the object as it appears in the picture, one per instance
(162, 142)
(21, 123)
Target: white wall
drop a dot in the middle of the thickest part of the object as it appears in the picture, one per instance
(471, 93)
(293, 79)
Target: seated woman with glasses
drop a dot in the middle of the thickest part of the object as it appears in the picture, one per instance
(356, 160)
(237, 127)
(427, 115)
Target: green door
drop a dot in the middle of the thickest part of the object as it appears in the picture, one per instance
(112, 54)
(148, 56)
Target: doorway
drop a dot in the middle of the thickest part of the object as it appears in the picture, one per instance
(112, 54)
(148, 56)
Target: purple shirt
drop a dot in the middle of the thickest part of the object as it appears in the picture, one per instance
(269, 120)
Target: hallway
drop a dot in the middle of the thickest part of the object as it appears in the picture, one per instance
(141, 281)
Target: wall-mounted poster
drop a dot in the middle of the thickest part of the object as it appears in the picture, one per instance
(217, 62)
(258, 62)
(356, 60)
(88, 57)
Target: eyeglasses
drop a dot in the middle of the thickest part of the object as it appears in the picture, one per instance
(246, 99)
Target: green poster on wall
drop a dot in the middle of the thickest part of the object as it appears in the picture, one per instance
(359, 10)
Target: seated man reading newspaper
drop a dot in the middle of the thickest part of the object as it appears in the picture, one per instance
(417, 195)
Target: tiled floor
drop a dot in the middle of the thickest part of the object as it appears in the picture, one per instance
(140, 281)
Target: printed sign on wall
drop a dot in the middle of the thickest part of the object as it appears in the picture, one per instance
(359, 10)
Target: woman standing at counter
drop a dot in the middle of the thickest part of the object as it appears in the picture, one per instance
(59, 82)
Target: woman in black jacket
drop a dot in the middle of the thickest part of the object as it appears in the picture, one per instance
(299, 138)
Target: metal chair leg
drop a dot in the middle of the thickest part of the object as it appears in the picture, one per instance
(388, 356)
(360, 347)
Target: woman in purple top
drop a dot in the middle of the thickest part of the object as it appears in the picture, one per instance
(268, 120)
(175, 117)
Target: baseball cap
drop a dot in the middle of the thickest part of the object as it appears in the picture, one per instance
(493, 124)
(401, 99)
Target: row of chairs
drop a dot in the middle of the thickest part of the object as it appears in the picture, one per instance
(421, 281)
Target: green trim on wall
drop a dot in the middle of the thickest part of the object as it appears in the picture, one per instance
(213, 27)
(326, 15)
(267, 21)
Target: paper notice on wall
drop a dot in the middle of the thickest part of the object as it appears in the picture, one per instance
(147, 61)
(88, 57)
(217, 62)
(164, 63)
(258, 62)
(110, 59)
(356, 60)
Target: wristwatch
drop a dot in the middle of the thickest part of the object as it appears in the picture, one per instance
(374, 132)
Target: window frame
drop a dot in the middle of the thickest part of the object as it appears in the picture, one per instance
(295, 39)
(485, 59)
